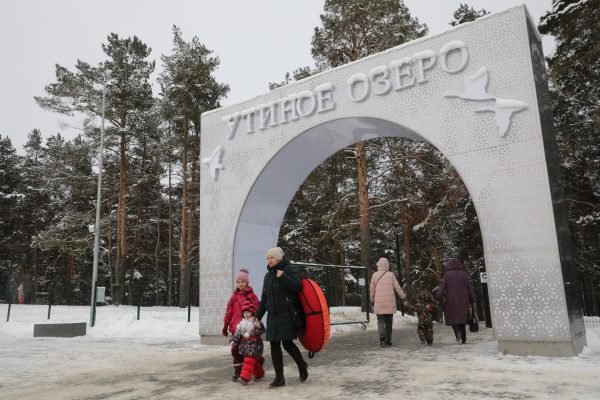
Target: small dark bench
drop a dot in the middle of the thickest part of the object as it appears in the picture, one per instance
(63, 329)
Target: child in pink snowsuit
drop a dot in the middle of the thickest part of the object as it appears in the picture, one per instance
(242, 293)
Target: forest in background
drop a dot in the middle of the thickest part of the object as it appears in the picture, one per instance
(386, 197)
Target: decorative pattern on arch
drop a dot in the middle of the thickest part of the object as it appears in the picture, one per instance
(507, 167)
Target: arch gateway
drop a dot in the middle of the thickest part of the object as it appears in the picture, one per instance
(478, 93)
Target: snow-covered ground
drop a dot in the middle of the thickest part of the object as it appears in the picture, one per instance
(160, 356)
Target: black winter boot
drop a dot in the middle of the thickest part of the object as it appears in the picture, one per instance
(303, 371)
(278, 381)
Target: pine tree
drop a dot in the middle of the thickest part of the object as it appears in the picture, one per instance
(574, 71)
(352, 29)
(126, 74)
(189, 89)
(296, 75)
(11, 252)
(466, 13)
(36, 200)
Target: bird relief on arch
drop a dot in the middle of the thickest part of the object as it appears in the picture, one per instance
(475, 89)
(215, 162)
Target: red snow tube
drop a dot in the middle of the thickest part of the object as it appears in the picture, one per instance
(315, 334)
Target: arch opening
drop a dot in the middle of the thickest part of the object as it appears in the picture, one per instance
(268, 200)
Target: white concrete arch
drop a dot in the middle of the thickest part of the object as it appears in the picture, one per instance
(478, 93)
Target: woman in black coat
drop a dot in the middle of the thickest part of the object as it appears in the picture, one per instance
(280, 288)
(457, 295)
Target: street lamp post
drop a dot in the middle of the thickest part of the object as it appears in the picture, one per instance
(97, 227)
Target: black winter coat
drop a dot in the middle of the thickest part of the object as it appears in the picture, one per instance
(276, 295)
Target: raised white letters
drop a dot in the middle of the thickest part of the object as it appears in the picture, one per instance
(306, 104)
(324, 95)
(249, 115)
(447, 49)
(401, 70)
(268, 115)
(363, 90)
(425, 61)
(381, 83)
(406, 72)
(399, 75)
(233, 121)
(287, 107)
(282, 111)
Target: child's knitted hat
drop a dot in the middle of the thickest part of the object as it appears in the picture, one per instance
(243, 276)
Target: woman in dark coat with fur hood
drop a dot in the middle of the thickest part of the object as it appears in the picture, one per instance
(280, 288)
(457, 295)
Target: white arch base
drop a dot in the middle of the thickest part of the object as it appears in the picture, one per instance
(542, 348)
(478, 93)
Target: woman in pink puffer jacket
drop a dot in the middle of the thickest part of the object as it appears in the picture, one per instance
(383, 288)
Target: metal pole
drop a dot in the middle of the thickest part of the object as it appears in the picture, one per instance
(94, 308)
(9, 300)
(139, 297)
(49, 301)
(368, 294)
(98, 203)
(486, 299)
(190, 296)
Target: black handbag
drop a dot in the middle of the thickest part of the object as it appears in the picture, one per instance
(473, 323)
(297, 315)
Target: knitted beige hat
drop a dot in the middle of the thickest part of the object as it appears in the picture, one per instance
(275, 252)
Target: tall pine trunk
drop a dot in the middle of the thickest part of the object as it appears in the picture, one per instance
(122, 218)
(183, 256)
(35, 277)
(157, 249)
(170, 249)
(69, 278)
(363, 208)
(110, 245)
(134, 246)
(437, 314)
(407, 260)
(192, 207)
(438, 263)
(138, 220)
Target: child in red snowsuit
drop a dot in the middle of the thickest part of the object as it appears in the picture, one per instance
(424, 306)
(233, 316)
(250, 344)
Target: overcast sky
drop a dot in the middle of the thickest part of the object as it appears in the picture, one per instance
(257, 42)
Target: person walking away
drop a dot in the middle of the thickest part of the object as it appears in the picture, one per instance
(249, 344)
(457, 295)
(424, 306)
(383, 289)
(242, 293)
(20, 294)
(279, 296)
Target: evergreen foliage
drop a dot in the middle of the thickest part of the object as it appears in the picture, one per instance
(353, 29)
(574, 71)
(188, 89)
(11, 249)
(466, 13)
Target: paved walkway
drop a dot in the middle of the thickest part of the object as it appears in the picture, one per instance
(352, 366)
